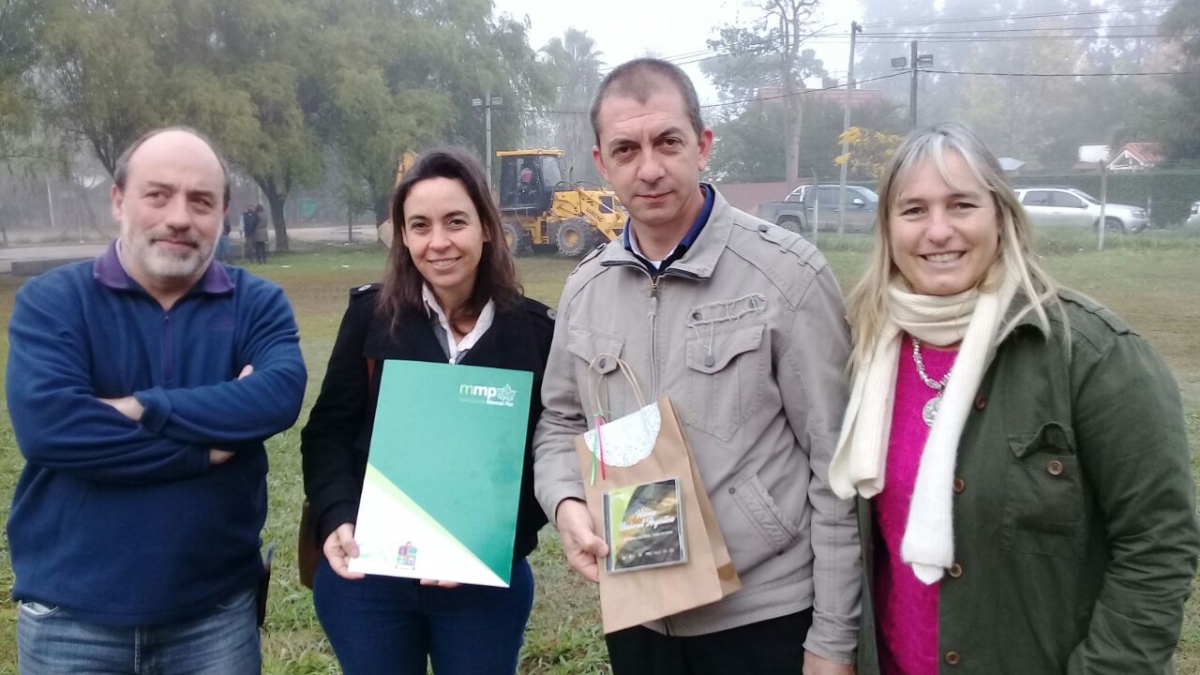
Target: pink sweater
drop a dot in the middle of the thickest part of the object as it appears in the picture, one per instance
(906, 610)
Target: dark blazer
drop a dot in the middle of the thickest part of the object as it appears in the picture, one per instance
(335, 441)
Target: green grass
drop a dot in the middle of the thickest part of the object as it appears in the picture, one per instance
(1152, 280)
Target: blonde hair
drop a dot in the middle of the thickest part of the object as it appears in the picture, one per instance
(867, 303)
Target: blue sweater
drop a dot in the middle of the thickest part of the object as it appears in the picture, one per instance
(126, 523)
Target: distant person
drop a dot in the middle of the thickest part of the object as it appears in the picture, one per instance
(141, 386)
(527, 190)
(450, 295)
(1032, 508)
(251, 218)
(223, 245)
(260, 236)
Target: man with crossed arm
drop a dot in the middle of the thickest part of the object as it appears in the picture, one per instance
(141, 386)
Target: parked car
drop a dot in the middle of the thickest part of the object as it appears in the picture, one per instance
(1068, 207)
(809, 204)
(1194, 219)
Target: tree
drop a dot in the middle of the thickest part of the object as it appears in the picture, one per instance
(1179, 118)
(749, 150)
(243, 85)
(574, 69)
(768, 54)
(869, 153)
(747, 147)
(101, 84)
(113, 71)
(1030, 118)
(401, 76)
(21, 22)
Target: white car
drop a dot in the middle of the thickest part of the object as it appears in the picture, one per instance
(1194, 218)
(1068, 207)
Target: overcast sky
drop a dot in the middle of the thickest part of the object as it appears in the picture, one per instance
(626, 29)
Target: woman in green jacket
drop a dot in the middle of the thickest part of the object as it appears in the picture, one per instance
(1031, 504)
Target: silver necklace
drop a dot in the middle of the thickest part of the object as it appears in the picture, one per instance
(929, 412)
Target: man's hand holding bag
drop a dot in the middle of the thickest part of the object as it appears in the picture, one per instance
(664, 552)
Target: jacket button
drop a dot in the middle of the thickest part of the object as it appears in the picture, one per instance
(763, 227)
(603, 363)
(952, 658)
(980, 403)
(955, 571)
(960, 486)
(1055, 468)
(732, 490)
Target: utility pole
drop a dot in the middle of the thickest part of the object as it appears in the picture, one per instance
(855, 29)
(1103, 203)
(912, 91)
(791, 102)
(913, 65)
(50, 202)
(486, 103)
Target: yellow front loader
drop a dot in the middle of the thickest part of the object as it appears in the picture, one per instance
(538, 207)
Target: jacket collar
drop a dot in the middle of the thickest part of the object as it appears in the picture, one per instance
(1030, 319)
(502, 346)
(701, 257)
(109, 271)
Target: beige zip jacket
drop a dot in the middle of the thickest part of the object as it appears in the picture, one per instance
(746, 334)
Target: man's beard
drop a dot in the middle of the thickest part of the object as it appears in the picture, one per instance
(162, 263)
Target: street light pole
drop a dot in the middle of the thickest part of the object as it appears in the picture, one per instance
(913, 65)
(486, 103)
(912, 91)
(855, 29)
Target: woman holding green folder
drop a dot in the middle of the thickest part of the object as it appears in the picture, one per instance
(449, 295)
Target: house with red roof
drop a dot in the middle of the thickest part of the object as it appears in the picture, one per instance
(1136, 157)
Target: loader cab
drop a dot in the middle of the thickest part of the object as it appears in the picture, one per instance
(528, 180)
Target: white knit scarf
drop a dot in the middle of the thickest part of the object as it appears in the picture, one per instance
(972, 317)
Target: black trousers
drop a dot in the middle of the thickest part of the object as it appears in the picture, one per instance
(771, 647)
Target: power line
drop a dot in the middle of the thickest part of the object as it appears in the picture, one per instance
(986, 31)
(761, 43)
(800, 93)
(727, 103)
(966, 72)
(1017, 17)
(1028, 38)
(950, 36)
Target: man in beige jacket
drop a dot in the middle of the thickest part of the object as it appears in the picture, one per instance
(741, 324)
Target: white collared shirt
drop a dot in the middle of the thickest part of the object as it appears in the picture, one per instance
(633, 246)
(456, 351)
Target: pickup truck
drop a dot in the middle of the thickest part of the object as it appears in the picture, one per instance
(807, 203)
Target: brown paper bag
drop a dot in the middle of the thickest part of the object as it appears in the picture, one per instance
(630, 598)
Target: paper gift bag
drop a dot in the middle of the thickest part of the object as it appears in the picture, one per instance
(644, 447)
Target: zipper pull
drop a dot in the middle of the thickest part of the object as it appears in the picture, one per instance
(653, 298)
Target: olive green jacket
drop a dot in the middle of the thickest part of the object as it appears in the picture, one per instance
(1074, 516)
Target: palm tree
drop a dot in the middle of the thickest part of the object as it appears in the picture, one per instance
(576, 65)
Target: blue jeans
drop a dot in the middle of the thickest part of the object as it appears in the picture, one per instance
(390, 625)
(224, 248)
(224, 642)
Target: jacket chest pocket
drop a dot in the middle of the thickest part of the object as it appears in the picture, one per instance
(725, 373)
(601, 384)
(1044, 500)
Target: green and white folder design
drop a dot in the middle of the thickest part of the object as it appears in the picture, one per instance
(443, 480)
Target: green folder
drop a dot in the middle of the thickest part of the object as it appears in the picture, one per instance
(443, 479)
